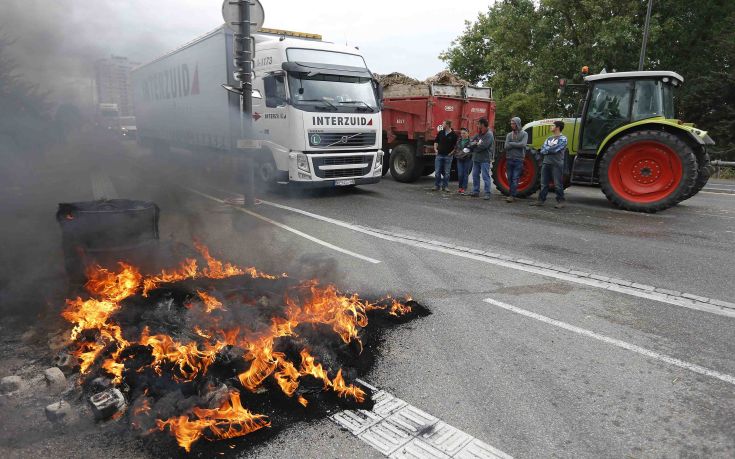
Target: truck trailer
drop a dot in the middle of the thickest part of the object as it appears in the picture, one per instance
(316, 109)
(411, 114)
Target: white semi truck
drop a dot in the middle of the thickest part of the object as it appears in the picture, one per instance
(316, 107)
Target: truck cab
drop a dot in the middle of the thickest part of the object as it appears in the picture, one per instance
(316, 111)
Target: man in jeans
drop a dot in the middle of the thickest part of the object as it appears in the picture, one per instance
(515, 152)
(482, 147)
(552, 165)
(443, 146)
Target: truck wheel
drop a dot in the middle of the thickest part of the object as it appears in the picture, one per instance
(265, 171)
(647, 171)
(704, 173)
(528, 183)
(404, 167)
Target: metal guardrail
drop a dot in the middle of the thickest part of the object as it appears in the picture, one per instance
(718, 165)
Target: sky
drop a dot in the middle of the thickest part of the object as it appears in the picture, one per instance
(62, 38)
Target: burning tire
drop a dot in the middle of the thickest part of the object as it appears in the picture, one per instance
(528, 183)
(404, 167)
(648, 171)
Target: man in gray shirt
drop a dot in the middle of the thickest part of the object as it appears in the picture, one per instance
(515, 152)
(482, 150)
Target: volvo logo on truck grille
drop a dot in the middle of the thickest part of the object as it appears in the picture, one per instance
(341, 121)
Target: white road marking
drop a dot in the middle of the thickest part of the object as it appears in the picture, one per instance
(616, 342)
(399, 430)
(285, 227)
(686, 300)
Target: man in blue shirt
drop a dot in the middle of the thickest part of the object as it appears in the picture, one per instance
(553, 165)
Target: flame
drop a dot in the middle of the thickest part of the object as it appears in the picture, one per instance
(228, 421)
(307, 303)
(399, 309)
(210, 302)
(144, 408)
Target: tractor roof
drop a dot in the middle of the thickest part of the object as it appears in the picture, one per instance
(635, 75)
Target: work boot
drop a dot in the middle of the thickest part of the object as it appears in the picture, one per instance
(510, 199)
(446, 190)
(560, 205)
(537, 204)
(486, 197)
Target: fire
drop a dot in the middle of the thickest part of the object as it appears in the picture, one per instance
(189, 359)
(228, 421)
(210, 302)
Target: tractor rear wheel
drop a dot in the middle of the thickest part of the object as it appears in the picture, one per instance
(528, 183)
(647, 171)
(404, 166)
(705, 172)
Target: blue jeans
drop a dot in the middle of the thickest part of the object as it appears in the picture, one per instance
(478, 167)
(442, 164)
(514, 168)
(464, 167)
(549, 171)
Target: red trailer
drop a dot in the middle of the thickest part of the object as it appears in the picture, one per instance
(411, 115)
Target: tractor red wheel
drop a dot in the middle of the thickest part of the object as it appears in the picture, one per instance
(529, 181)
(648, 171)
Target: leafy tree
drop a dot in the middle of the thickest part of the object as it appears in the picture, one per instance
(518, 47)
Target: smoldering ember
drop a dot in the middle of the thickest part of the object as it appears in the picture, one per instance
(212, 351)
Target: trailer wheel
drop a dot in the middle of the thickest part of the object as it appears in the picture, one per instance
(528, 183)
(647, 171)
(404, 166)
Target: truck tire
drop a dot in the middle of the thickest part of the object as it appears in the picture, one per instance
(647, 171)
(266, 172)
(404, 166)
(704, 169)
(528, 183)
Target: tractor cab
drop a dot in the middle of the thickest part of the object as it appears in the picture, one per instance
(618, 99)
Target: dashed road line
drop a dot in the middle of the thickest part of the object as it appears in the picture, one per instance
(649, 292)
(285, 227)
(400, 430)
(616, 342)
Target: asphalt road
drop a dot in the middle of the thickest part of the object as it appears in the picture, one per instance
(530, 359)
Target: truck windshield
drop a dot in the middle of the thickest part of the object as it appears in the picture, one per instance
(348, 94)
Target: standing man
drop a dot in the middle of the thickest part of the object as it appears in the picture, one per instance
(482, 147)
(443, 146)
(552, 166)
(515, 152)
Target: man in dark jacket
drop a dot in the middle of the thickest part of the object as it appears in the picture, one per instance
(482, 152)
(552, 165)
(443, 146)
(515, 152)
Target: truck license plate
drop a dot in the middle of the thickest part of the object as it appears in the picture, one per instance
(344, 182)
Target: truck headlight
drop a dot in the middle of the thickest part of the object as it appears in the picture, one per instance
(379, 161)
(302, 162)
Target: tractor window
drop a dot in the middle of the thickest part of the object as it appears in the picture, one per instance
(647, 102)
(668, 101)
(607, 110)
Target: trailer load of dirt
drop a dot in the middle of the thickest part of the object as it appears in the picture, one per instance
(399, 85)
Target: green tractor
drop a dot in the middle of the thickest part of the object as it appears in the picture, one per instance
(626, 140)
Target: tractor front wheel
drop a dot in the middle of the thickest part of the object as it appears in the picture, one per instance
(647, 171)
(529, 181)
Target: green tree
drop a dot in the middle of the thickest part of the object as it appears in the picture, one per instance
(519, 47)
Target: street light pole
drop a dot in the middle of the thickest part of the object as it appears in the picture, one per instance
(645, 35)
(244, 73)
